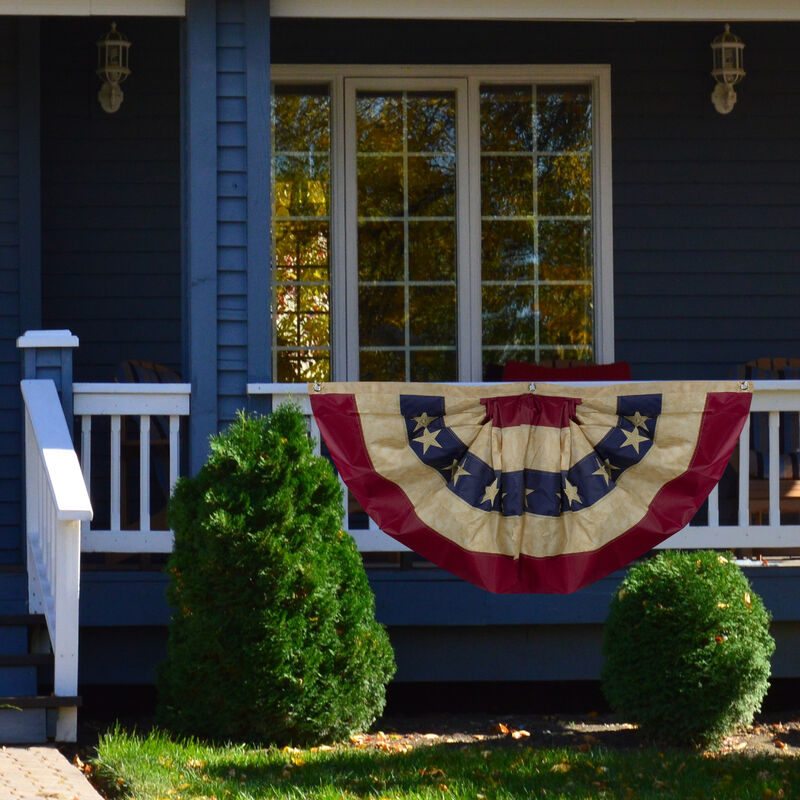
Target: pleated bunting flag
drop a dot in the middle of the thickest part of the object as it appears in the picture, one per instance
(522, 488)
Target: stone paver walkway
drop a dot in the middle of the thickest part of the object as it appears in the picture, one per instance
(41, 773)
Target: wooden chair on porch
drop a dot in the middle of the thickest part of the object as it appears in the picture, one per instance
(788, 442)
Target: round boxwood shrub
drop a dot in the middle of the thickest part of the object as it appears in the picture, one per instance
(687, 648)
(273, 636)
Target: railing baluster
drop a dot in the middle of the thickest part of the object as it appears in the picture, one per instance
(774, 470)
(144, 472)
(174, 450)
(713, 507)
(86, 458)
(116, 461)
(744, 474)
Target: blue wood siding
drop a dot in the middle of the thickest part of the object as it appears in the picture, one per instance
(10, 414)
(706, 240)
(111, 197)
(442, 628)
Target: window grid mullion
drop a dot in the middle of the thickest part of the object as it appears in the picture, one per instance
(406, 303)
(537, 314)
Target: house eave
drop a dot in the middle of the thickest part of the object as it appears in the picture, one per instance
(552, 10)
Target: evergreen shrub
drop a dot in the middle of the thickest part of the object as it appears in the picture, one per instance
(687, 648)
(273, 636)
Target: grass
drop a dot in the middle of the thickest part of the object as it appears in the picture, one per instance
(157, 767)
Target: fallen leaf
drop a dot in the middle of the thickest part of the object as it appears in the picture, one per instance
(502, 728)
(519, 734)
(560, 767)
(780, 745)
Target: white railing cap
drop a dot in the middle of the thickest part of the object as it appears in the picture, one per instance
(55, 447)
(60, 338)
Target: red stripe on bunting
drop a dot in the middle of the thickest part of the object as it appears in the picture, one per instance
(671, 509)
(531, 409)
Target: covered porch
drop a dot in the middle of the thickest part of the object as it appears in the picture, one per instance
(151, 235)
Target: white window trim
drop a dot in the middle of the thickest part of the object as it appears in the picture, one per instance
(344, 322)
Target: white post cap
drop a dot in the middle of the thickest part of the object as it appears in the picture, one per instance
(63, 338)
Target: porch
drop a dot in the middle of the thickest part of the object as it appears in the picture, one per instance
(422, 606)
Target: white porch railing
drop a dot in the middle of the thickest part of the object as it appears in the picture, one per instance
(56, 504)
(772, 397)
(127, 406)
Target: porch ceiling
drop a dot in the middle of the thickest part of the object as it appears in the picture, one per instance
(609, 10)
(98, 8)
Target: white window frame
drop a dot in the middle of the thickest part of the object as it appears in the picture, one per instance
(465, 80)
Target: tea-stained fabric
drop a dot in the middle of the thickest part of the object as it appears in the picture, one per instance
(531, 488)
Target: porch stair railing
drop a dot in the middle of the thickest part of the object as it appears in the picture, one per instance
(744, 533)
(56, 504)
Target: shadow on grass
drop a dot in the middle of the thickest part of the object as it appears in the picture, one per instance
(491, 770)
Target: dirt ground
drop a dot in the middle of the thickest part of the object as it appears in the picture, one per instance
(772, 734)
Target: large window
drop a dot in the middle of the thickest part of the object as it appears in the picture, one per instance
(434, 227)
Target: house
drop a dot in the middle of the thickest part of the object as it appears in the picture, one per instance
(443, 188)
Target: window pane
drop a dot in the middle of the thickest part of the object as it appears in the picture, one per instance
(431, 251)
(406, 188)
(431, 186)
(536, 222)
(564, 118)
(382, 365)
(434, 365)
(431, 122)
(379, 122)
(565, 185)
(507, 188)
(382, 315)
(566, 315)
(300, 233)
(380, 251)
(509, 315)
(380, 186)
(432, 315)
(507, 118)
(300, 116)
(508, 250)
(565, 251)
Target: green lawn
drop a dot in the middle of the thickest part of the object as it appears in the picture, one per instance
(156, 767)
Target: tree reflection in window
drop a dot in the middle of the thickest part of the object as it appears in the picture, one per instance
(406, 190)
(536, 223)
(301, 283)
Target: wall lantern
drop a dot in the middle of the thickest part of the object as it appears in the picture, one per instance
(728, 58)
(112, 67)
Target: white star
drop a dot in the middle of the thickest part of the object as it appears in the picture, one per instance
(571, 492)
(491, 493)
(602, 471)
(427, 439)
(423, 420)
(638, 421)
(456, 471)
(633, 439)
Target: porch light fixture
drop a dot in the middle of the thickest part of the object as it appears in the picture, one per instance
(112, 67)
(728, 69)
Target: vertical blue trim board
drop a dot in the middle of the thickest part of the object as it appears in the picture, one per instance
(258, 196)
(200, 220)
